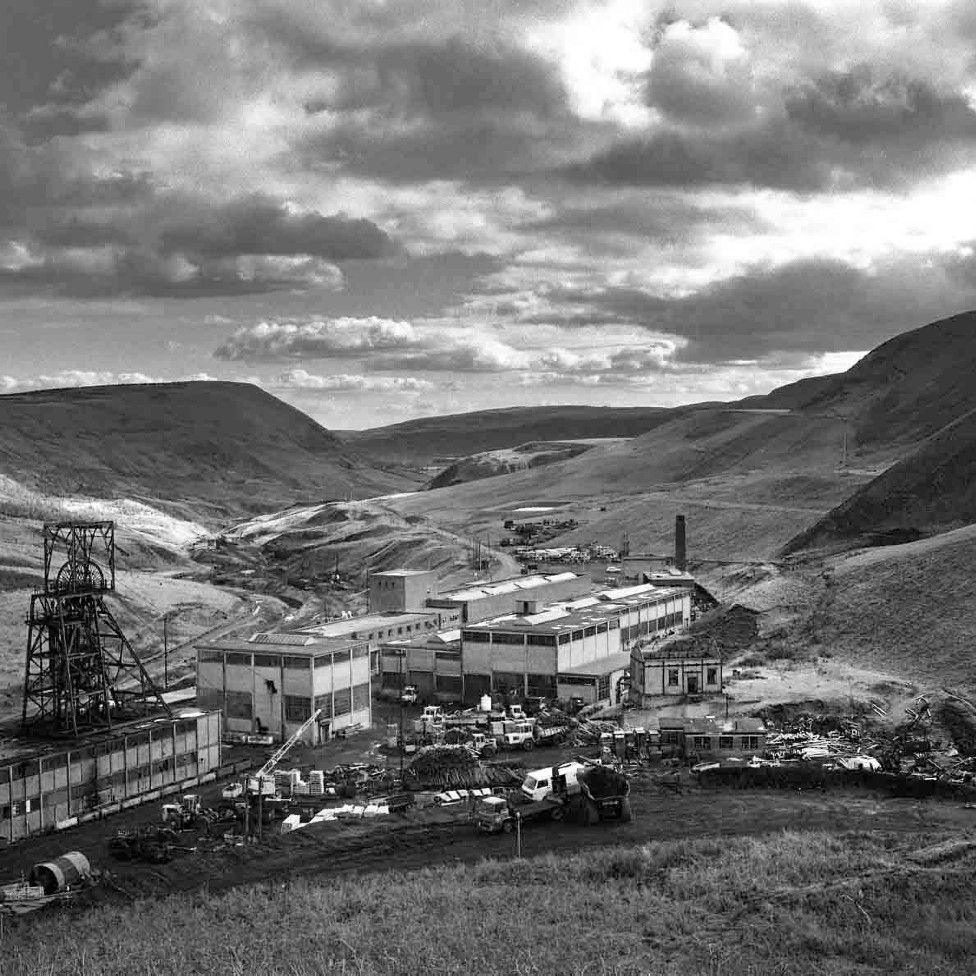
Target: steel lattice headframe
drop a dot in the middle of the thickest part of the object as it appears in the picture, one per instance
(81, 673)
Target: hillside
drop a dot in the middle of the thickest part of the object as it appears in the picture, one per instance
(458, 435)
(202, 449)
(488, 464)
(930, 491)
(803, 902)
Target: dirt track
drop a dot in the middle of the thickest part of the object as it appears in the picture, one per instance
(337, 850)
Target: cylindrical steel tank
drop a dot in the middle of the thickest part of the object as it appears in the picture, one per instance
(63, 871)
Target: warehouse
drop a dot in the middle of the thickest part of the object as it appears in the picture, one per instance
(521, 594)
(273, 682)
(431, 663)
(107, 771)
(375, 628)
(584, 644)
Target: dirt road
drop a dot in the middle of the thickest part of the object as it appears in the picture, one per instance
(339, 849)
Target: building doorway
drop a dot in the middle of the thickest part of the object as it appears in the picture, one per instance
(692, 684)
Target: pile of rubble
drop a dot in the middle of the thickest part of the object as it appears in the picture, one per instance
(587, 732)
(454, 767)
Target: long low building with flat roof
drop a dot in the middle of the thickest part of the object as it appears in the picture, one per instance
(375, 628)
(273, 682)
(576, 649)
(520, 594)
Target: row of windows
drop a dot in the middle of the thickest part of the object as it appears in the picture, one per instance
(704, 743)
(674, 676)
(290, 662)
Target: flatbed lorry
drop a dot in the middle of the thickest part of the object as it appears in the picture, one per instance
(495, 814)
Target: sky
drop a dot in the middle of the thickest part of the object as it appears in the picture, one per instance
(385, 209)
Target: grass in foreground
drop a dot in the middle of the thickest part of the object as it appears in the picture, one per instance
(797, 903)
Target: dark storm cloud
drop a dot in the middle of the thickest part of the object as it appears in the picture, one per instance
(60, 54)
(844, 129)
(259, 225)
(420, 110)
(859, 108)
(809, 306)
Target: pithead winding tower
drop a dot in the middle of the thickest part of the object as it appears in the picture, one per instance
(81, 673)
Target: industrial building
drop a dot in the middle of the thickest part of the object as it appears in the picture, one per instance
(431, 663)
(375, 628)
(708, 737)
(399, 590)
(273, 682)
(674, 670)
(520, 594)
(105, 772)
(579, 649)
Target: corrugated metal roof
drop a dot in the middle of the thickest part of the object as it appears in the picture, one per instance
(285, 640)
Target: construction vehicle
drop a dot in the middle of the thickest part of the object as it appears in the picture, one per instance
(431, 720)
(183, 815)
(155, 845)
(517, 735)
(605, 794)
(483, 745)
(494, 813)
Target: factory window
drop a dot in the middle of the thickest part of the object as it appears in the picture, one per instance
(342, 702)
(542, 640)
(360, 696)
(564, 638)
(577, 635)
(448, 683)
(297, 663)
(701, 742)
(325, 703)
(601, 628)
(239, 704)
(589, 632)
(508, 638)
(603, 687)
(244, 659)
(476, 636)
(211, 657)
(725, 742)
(297, 708)
(267, 661)
(323, 661)
(506, 680)
(711, 676)
(750, 742)
(673, 677)
(447, 655)
(615, 624)
(399, 630)
(542, 684)
(360, 651)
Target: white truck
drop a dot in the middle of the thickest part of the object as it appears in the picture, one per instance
(541, 782)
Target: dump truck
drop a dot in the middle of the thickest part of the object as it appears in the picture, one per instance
(605, 795)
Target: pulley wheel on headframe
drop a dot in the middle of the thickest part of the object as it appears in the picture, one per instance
(79, 574)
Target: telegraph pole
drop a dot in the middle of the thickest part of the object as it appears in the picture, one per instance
(165, 652)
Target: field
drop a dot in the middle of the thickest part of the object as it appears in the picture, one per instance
(800, 901)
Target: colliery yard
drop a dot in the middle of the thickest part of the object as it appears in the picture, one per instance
(505, 718)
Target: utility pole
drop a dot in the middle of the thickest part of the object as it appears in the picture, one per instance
(400, 742)
(165, 652)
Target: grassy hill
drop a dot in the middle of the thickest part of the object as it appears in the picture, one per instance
(458, 435)
(930, 491)
(205, 448)
(802, 903)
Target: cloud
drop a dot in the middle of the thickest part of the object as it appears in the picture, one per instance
(280, 340)
(258, 225)
(300, 379)
(701, 74)
(795, 309)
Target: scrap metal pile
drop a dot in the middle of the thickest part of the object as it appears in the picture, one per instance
(454, 767)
